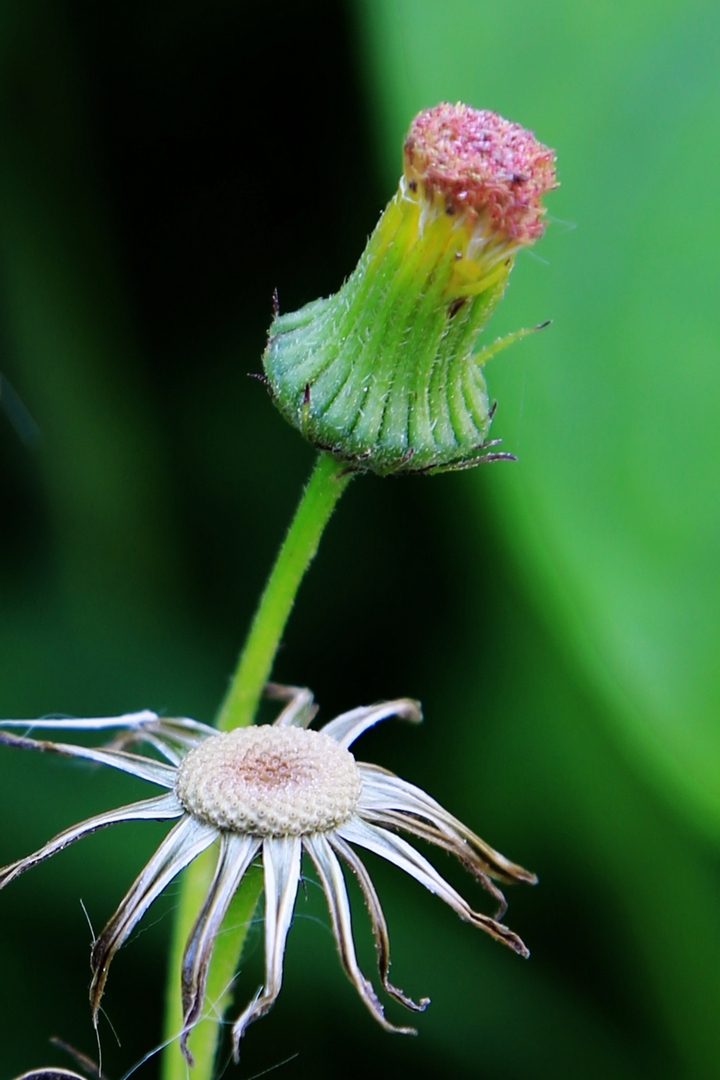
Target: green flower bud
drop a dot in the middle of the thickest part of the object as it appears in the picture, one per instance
(383, 373)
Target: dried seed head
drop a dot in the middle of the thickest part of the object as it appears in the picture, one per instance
(269, 781)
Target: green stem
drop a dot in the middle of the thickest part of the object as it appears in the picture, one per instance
(327, 483)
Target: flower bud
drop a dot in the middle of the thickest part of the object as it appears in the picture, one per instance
(383, 373)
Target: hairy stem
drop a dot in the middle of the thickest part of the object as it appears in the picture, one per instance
(327, 483)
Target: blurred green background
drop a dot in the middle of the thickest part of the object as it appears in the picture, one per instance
(163, 168)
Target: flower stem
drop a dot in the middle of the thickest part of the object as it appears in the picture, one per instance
(327, 483)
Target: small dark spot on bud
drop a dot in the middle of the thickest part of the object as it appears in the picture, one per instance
(306, 394)
(449, 209)
(518, 178)
(458, 256)
(413, 185)
(456, 305)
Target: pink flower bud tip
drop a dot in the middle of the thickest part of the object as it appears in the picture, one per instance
(483, 166)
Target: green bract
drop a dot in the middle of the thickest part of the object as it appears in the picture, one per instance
(383, 374)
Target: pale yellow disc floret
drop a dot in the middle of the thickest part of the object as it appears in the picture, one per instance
(269, 781)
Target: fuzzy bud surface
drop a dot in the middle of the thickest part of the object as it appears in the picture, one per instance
(384, 374)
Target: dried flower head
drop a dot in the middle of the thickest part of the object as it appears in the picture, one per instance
(50, 1074)
(271, 792)
(384, 373)
(477, 163)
